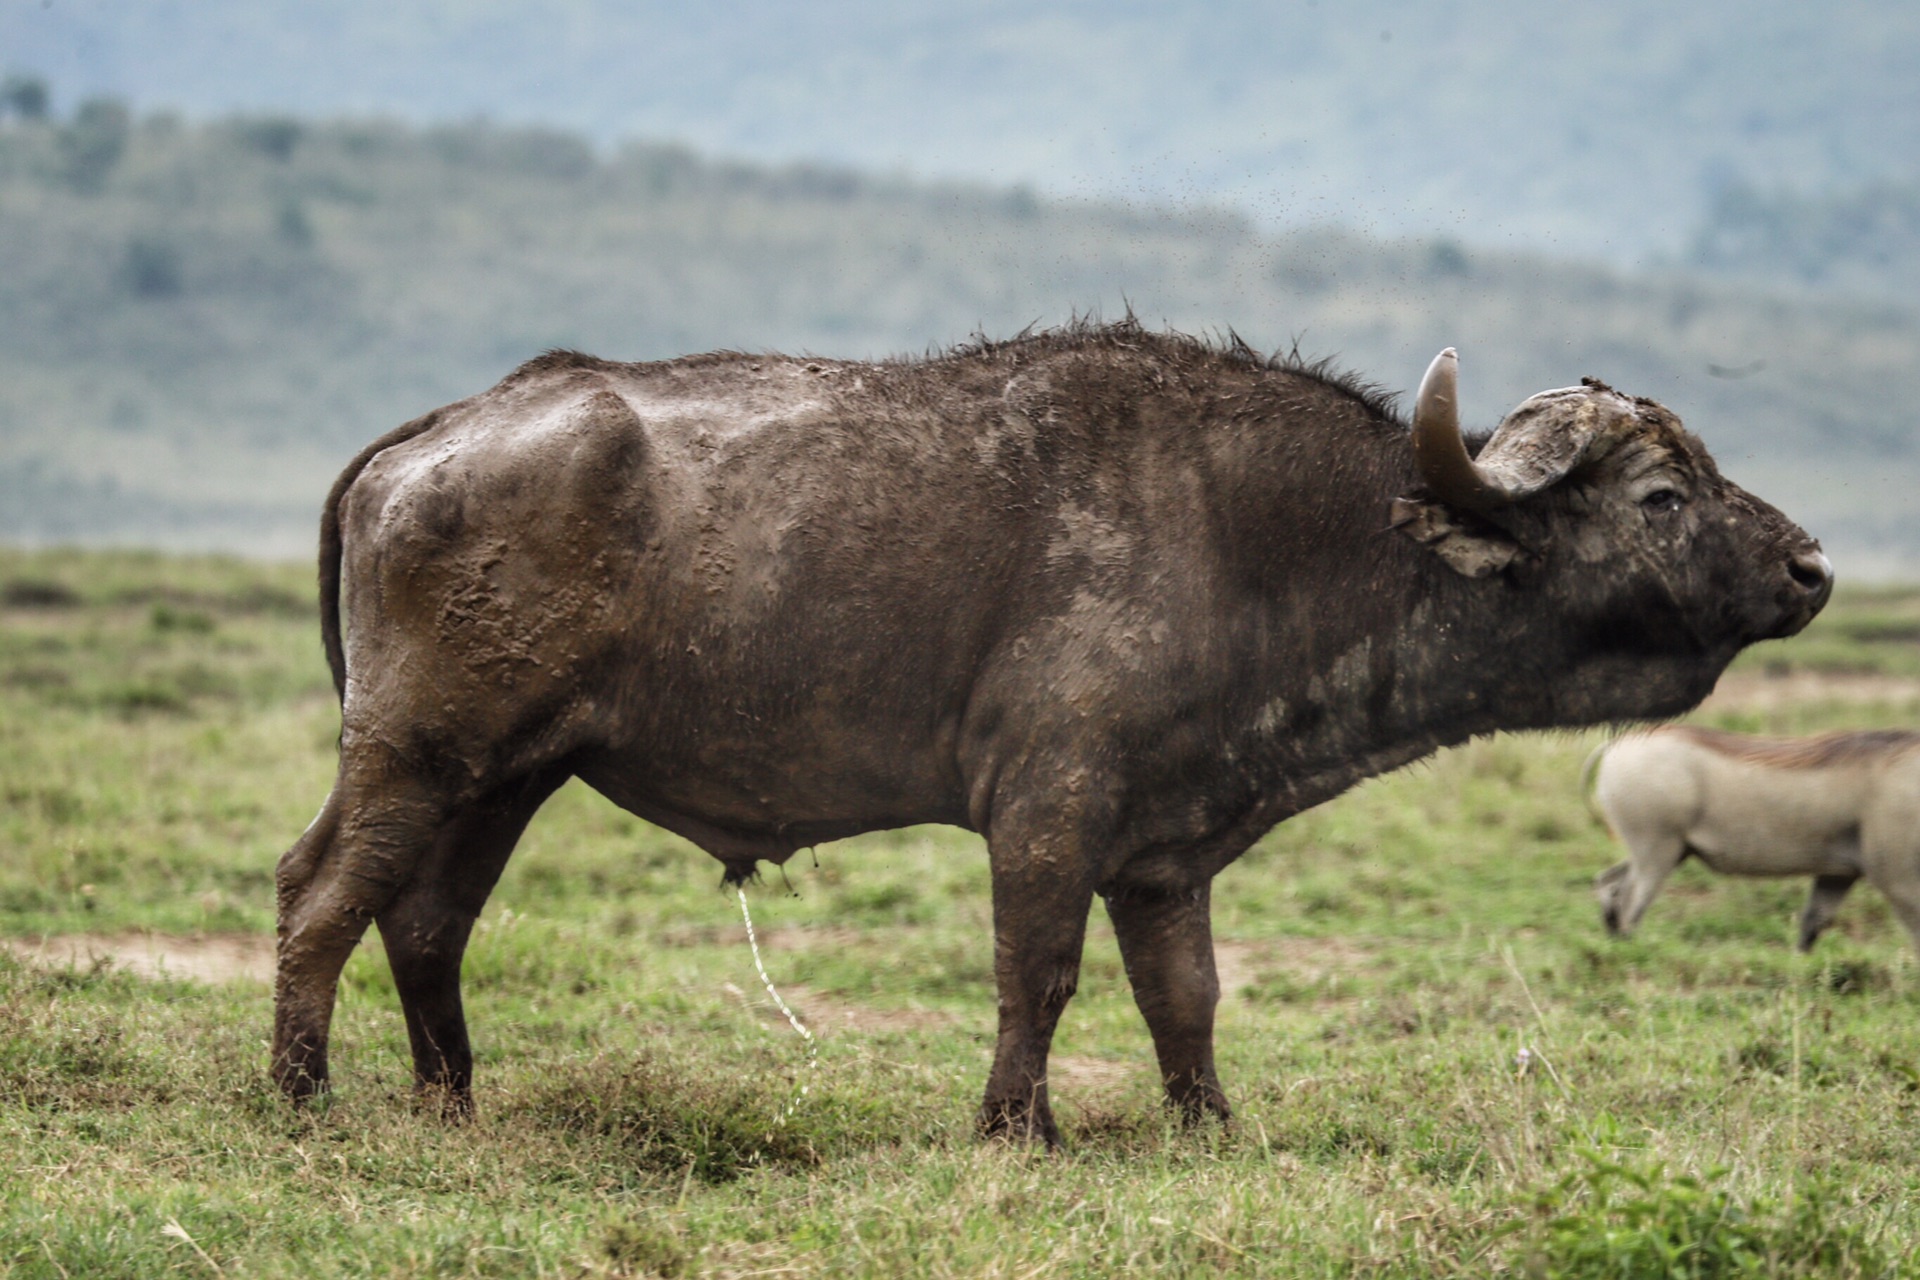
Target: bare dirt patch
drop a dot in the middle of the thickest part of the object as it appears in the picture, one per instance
(1306, 960)
(1092, 1080)
(215, 958)
(782, 937)
(825, 1015)
(1759, 691)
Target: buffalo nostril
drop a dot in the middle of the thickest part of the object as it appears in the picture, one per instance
(1811, 570)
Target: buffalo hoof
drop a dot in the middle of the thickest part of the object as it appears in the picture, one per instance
(452, 1103)
(305, 1093)
(1197, 1108)
(1019, 1123)
(301, 1081)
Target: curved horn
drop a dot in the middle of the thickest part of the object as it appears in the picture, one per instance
(1439, 451)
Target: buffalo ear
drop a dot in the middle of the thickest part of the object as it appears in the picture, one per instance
(1471, 547)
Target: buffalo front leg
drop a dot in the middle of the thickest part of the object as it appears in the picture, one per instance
(1166, 944)
(1040, 906)
(342, 872)
(426, 927)
(1823, 903)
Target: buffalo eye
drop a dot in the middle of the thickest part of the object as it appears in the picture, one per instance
(1662, 500)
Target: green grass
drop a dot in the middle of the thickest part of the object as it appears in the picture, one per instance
(1700, 1101)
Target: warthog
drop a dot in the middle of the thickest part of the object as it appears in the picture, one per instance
(1836, 807)
(1119, 601)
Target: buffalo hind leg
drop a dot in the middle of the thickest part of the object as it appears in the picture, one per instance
(341, 873)
(426, 926)
(1823, 903)
(1040, 910)
(1166, 944)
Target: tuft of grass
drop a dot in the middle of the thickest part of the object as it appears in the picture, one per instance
(1608, 1221)
(669, 1121)
(640, 1247)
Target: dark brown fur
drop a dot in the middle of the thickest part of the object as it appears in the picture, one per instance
(1119, 601)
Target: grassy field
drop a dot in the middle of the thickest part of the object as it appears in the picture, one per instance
(1442, 1066)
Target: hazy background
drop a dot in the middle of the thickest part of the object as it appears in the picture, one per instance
(237, 240)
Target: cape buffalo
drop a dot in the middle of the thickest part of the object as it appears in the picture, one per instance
(1119, 601)
(1837, 807)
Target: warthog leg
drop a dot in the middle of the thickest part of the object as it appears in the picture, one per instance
(336, 878)
(1888, 848)
(1625, 894)
(1609, 887)
(1902, 888)
(426, 926)
(1166, 943)
(1041, 897)
(1823, 903)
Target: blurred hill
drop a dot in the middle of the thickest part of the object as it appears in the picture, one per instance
(200, 322)
(1603, 130)
(1858, 241)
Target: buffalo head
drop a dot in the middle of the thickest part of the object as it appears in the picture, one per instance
(1606, 505)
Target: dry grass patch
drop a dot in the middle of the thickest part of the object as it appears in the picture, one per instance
(215, 958)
